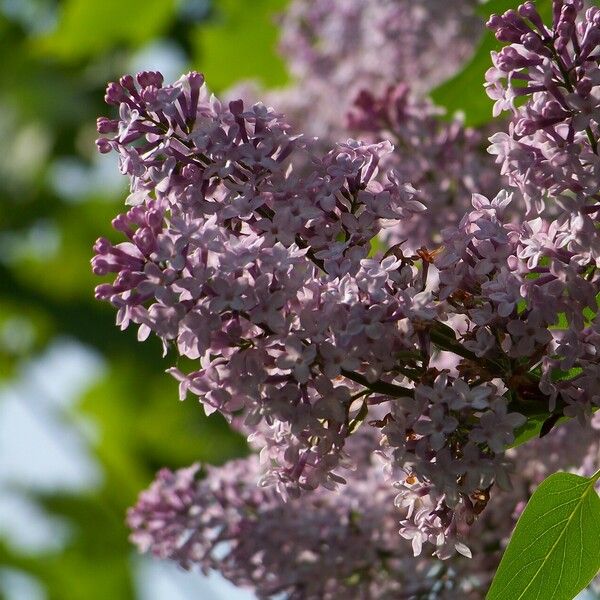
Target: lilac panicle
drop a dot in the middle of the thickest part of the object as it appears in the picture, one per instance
(547, 77)
(340, 545)
(247, 249)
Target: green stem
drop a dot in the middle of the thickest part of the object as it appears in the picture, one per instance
(379, 387)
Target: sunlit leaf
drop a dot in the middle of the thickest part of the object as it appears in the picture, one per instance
(554, 551)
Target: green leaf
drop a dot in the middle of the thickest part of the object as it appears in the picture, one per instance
(476, 105)
(555, 548)
(241, 44)
(533, 428)
(530, 429)
(86, 28)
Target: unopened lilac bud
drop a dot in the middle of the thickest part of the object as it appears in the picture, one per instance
(525, 126)
(593, 16)
(121, 223)
(494, 22)
(507, 34)
(104, 291)
(105, 125)
(102, 246)
(195, 79)
(564, 31)
(568, 13)
(149, 94)
(150, 78)
(100, 266)
(553, 110)
(115, 94)
(513, 21)
(529, 11)
(128, 83)
(154, 218)
(103, 145)
(591, 40)
(578, 4)
(236, 107)
(533, 42)
(145, 240)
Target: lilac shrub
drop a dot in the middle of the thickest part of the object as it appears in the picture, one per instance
(380, 389)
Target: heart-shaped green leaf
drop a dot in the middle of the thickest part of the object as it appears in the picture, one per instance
(555, 548)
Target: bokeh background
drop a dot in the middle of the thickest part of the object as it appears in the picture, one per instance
(87, 414)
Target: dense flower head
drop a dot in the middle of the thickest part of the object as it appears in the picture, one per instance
(339, 43)
(325, 546)
(264, 277)
(383, 385)
(334, 545)
(547, 77)
(236, 261)
(445, 161)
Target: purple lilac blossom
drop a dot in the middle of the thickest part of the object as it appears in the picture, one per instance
(337, 545)
(334, 49)
(340, 85)
(262, 276)
(261, 273)
(547, 78)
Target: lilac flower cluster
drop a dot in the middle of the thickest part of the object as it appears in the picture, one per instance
(251, 252)
(550, 153)
(529, 291)
(325, 546)
(329, 546)
(263, 277)
(445, 161)
(552, 146)
(260, 274)
(333, 49)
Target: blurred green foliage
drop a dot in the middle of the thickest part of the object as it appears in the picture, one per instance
(54, 203)
(238, 45)
(86, 28)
